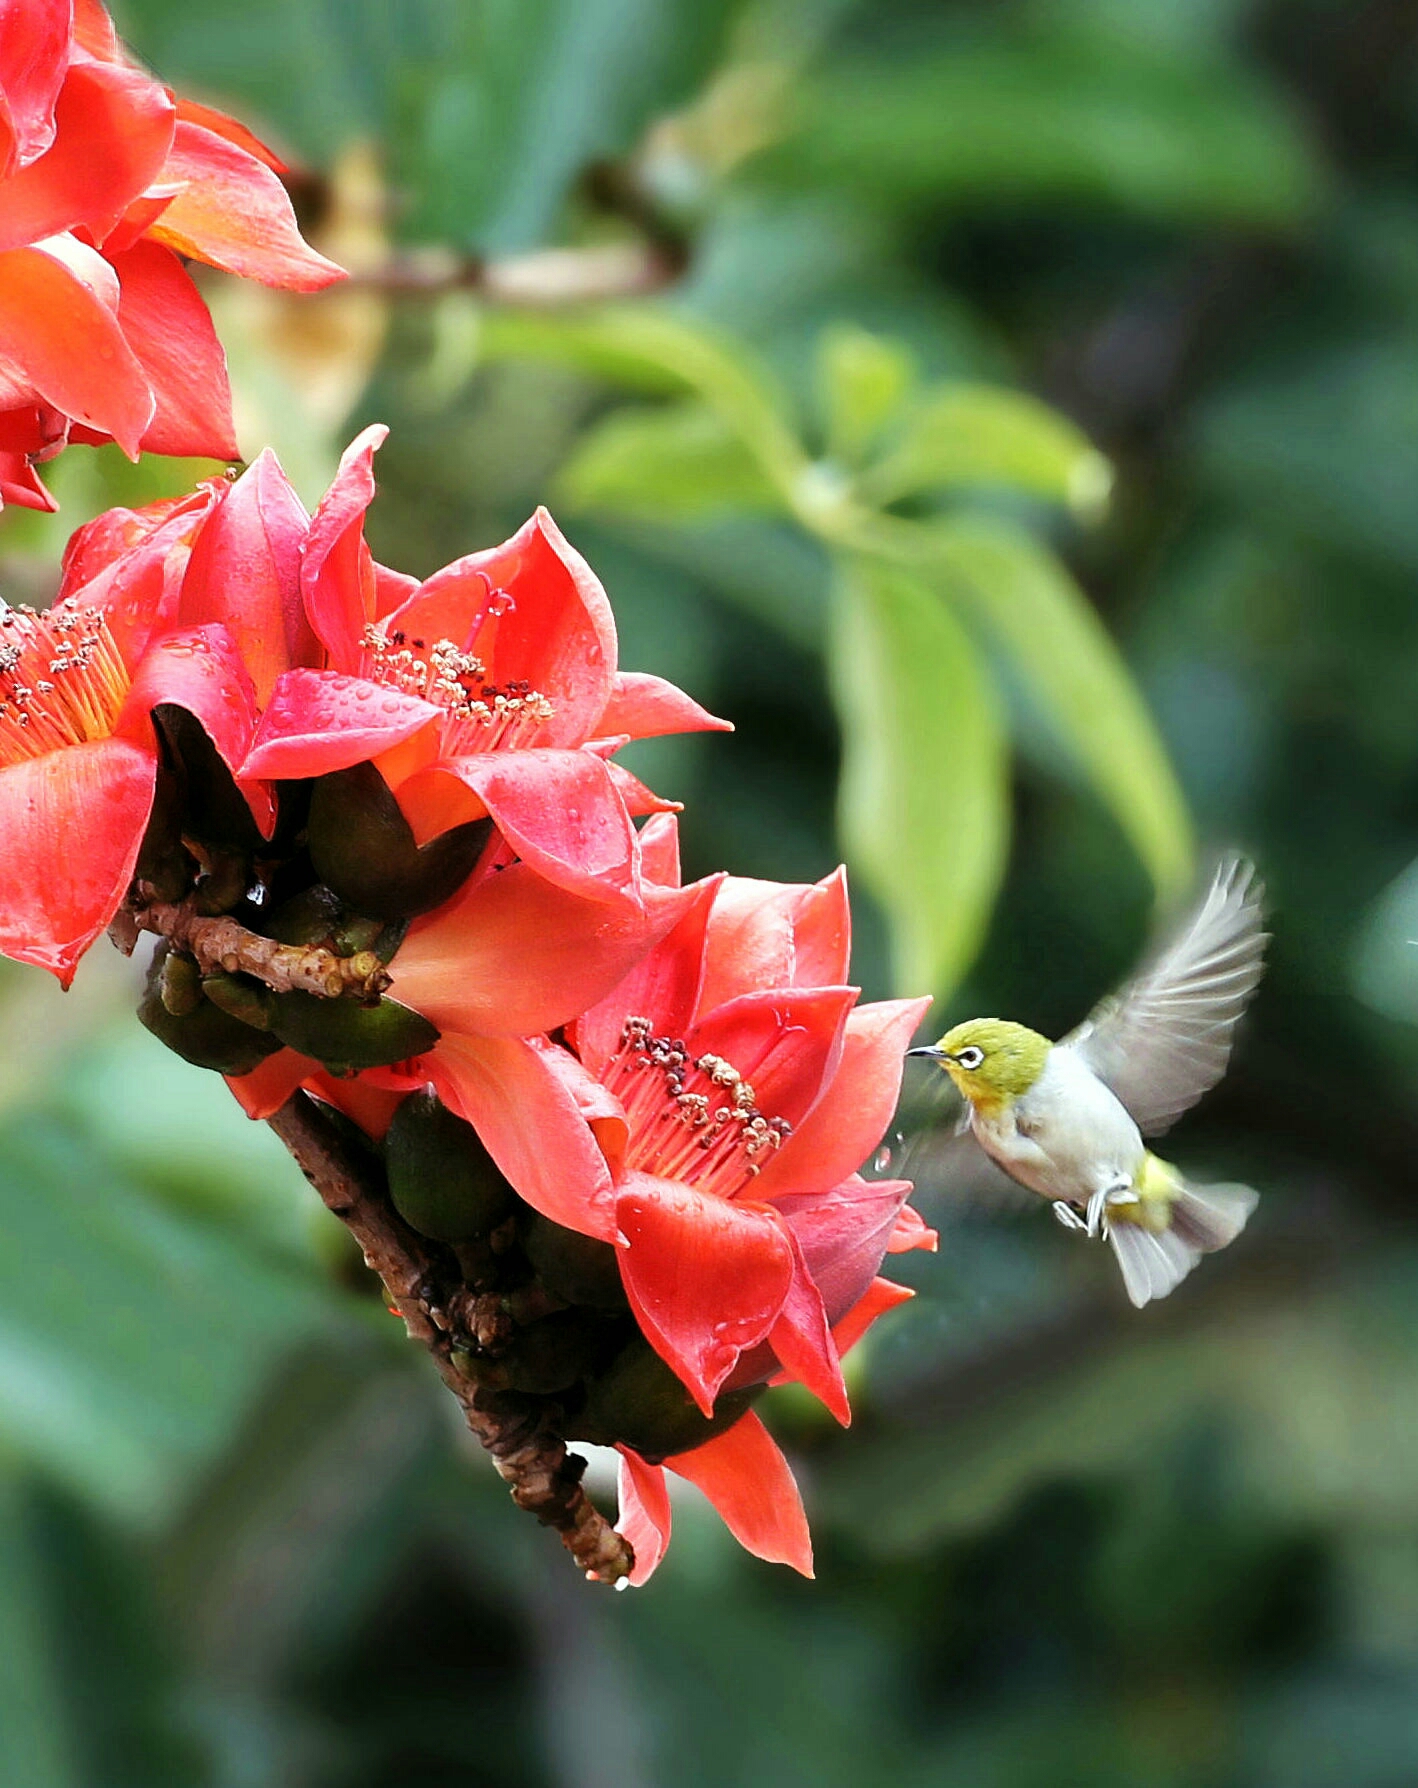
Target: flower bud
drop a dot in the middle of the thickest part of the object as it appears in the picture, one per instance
(308, 918)
(363, 848)
(441, 1178)
(346, 1036)
(240, 997)
(548, 1356)
(576, 1268)
(203, 1035)
(638, 1401)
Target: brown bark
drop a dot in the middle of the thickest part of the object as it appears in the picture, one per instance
(223, 943)
(427, 1292)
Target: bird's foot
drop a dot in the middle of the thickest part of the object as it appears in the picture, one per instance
(1068, 1216)
(1096, 1217)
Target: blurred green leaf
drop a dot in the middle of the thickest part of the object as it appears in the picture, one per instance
(1385, 969)
(924, 795)
(35, 1748)
(972, 435)
(862, 380)
(667, 465)
(131, 1341)
(1054, 119)
(1053, 637)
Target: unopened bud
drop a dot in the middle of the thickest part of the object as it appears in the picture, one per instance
(346, 1036)
(441, 1178)
(552, 1354)
(241, 998)
(205, 1036)
(179, 984)
(363, 848)
(638, 1400)
(576, 1268)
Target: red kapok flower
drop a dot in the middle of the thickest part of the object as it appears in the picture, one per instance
(495, 686)
(106, 182)
(78, 756)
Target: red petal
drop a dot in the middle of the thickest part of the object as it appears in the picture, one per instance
(557, 633)
(879, 1297)
(646, 707)
(34, 55)
(843, 1233)
(114, 125)
(61, 337)
(637, 798)
(659, 850)
(19, 484)
(263, 1091)
(705, 1278)
(600, 1107)
(776, 934)
(234, 213)
(834, 1140)
(644, 1499)
(560, 812)
(531, 1126)
(166, 324)
(912, 1231)
(661, 987)
(191, 112)
(787, 1044)
(245, 572)
(803, 1342)
(318, 721)
(200, 670)
(515, 955)
(72, 823)
(93, 29)
(337, 575)
(747, 1479)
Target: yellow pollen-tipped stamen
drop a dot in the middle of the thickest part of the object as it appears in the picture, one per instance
(481, 716)
(63, 681)
(690, 1118)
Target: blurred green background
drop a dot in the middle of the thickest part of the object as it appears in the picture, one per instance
(924, 334)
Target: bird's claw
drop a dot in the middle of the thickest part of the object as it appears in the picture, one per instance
(1067, 1215)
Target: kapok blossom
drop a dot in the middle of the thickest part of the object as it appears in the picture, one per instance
(78, 754)
(489, 689)
(107, 183)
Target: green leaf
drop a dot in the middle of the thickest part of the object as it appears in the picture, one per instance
(35, 1743)
(862, 380)
(674, 464)
(1068, 662)
(132, 1339)
(924, 796)
(649, 349)
(986, 435)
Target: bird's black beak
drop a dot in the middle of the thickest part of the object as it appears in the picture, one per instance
(932, 1051)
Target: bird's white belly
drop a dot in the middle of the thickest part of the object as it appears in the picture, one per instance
(1067, 1137)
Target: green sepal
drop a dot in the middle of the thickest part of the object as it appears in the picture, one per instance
(576, 1268)
(441, 1178)
(346, 1036)
(363, 848)
(308, 918)
(206, 1036)
(639, 1402)
(242, 998)
(179, 983)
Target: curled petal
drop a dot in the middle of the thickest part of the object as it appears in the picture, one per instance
(337, 577)
(644, 1519)
(113, 127)
(72, 821)
(20, 484)
(34, 55)
(234, 213)
(776, 934)
(166, 324)
(530, 1124)
(515, 955)
(659, 850)
(263, 1091)
(706, 1278)
(64, 340)
(190, 111)
(646, 707)
(245, 572)
(912, 1231)
(837, 1137)
(636, 797)
(318, 721)
(879, 1297)
(747, 1479)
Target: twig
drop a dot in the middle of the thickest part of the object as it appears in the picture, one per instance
(223, 943)
(543, 1477)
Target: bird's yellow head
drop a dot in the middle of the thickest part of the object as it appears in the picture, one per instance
(991, 1060)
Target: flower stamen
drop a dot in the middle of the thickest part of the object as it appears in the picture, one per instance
(479, 715)
(63, 681)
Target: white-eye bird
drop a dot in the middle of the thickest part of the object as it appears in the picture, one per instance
(1067, 1119)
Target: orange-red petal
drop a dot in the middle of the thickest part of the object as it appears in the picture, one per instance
(644, 1519)
(169, 329)
(748, 1481)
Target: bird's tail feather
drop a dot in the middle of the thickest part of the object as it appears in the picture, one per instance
(1203, 1218)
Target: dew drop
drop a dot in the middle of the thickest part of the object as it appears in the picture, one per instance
(881, 1160)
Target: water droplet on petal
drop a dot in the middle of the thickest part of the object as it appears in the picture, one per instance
(881, 1160)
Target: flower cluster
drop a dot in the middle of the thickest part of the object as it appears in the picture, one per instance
(380, 825)
(107, 183)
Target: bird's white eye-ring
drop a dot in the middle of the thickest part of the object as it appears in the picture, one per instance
(970, 1057)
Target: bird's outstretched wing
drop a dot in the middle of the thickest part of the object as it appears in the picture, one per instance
(1163, 1039)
